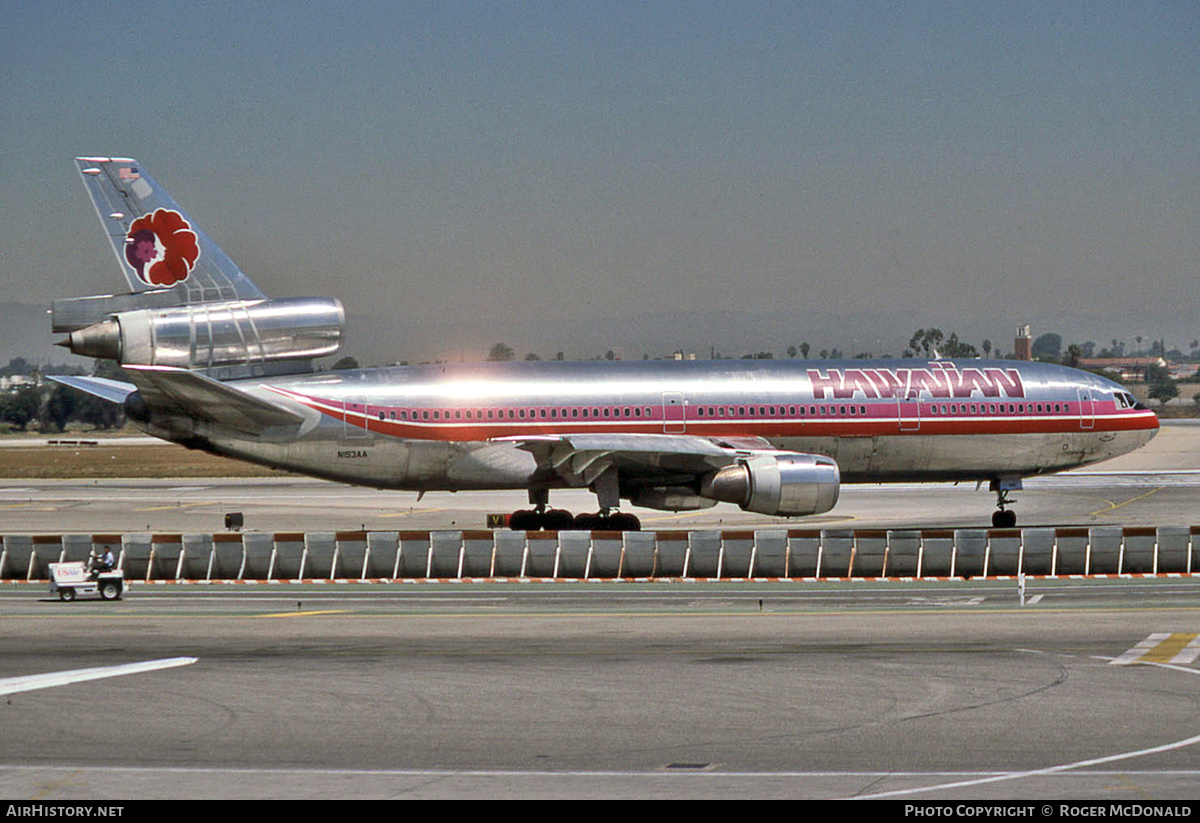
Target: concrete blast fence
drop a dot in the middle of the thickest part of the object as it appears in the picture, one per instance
(764, 553)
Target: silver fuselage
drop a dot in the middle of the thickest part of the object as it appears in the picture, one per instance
(450, 427)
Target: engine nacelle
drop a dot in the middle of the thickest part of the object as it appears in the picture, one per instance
(204, 335)
(781, 484)
(671, 499)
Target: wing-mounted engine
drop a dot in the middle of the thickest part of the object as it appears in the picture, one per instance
(777, 483)
(210, 335)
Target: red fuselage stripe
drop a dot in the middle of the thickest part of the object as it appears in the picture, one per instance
(830, 420)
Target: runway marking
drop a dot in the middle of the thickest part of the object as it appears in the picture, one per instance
(1179, 648)
(1114, 506)
(808, 520)
(1079, 764)
(411, 512)
(176, 506)
(306, 614)
(946, 601)
(680, 516)
(516, 782)
(54, 785)
(30, 682)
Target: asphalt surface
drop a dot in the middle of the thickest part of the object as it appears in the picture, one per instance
(916, 691)
(920, 691)
(1153, 486)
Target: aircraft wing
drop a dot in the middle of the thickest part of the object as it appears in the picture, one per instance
(191, 394)
(113, 391)
(656, 458)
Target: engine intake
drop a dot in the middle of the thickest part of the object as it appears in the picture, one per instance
(780, 484)
(204, 335)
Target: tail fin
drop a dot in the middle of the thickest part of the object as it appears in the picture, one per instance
(188, 306)
(158, 246)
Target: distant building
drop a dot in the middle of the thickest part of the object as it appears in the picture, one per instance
(16, 382)
(1130, 369)
(1023, 344)
(1184, 371)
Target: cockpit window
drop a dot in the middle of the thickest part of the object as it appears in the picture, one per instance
(1126, 400)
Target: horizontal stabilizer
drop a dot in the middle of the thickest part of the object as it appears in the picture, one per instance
(113, 391)
(191, 394)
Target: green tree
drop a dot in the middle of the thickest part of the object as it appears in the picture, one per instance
(1047, 345)
(59, 408)
(21, 407)
(17, 365)
(955, 348)
(915, 342)
(501, 352)
(1073, 356)
(1160, 386)
(933, 337)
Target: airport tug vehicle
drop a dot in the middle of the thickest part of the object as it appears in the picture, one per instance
(71, 580)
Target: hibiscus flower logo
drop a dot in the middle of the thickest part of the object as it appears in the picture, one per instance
(162, 248)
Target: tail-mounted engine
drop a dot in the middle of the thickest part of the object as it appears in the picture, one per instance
(207, 335)
(781, 484)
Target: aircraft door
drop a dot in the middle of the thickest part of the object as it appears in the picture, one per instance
(355, 420)
(908, 410)
(674, 421)
(1087, 409)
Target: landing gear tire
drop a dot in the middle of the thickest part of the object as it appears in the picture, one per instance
(624, 523)
(1004, 519)
(557, 520)
(530, 520)
(586, 522)
(617, 522)
(525, 520)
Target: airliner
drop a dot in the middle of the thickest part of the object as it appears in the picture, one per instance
(217, 365)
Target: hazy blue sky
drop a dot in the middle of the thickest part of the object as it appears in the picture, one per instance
(970, 165)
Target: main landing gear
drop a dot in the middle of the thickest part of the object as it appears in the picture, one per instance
(541, 517)
(531, 520)
(1005, 518)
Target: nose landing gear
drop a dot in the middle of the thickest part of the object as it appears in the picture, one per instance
(1005, 518)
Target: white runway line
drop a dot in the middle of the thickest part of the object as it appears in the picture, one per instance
(26, 683)
(1081, 764)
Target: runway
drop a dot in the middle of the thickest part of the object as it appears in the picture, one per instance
(300, 504)
(924, 692)
(1151, 487)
